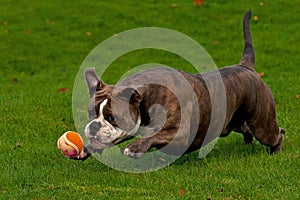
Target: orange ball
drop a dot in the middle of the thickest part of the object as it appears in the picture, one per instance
(70, 144)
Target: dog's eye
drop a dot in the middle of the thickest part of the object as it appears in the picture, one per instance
(111, 118)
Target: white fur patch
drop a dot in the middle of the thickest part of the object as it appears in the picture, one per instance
(108, 133)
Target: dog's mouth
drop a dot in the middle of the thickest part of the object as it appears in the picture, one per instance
(108, 135)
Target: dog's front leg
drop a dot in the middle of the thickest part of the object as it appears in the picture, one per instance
(140, 146)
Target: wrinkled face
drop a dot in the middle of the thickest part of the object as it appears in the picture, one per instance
(113, 113)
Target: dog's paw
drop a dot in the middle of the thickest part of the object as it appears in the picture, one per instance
(82, 156)
(248, 138)
(130, 154)
(87, 152)
(278, 147)
(137, 148)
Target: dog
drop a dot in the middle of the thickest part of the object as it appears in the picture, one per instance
(175, 119)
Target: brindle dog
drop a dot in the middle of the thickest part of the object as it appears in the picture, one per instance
(179, 125)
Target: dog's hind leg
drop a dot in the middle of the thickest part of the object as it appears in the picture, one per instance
(245, 130)
(265, 129)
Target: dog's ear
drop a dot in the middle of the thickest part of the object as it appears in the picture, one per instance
(133, 94)
(93, 81)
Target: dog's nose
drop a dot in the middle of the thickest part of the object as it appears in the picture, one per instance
(94, 128)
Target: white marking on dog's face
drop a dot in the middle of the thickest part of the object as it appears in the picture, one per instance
(101, 134)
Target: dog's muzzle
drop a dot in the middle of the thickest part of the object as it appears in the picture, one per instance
(101, 134)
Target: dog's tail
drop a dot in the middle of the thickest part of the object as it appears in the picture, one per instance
(248, 57)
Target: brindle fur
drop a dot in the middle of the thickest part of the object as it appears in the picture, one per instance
(250, 105)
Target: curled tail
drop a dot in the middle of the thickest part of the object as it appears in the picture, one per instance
(248, 57)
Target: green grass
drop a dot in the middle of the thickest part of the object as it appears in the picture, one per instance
(43, 45)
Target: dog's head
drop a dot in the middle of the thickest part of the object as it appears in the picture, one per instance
(113, 112)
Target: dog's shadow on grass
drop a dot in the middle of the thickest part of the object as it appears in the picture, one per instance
(229, 148)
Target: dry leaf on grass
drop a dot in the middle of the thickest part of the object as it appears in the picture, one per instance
(174, 5)
(26, 32)
(181, 192)
(63, 90)
(260, 74)
(15, 80)
(214, 42)
(198, 2)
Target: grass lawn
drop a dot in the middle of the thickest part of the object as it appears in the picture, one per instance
(43, 45)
